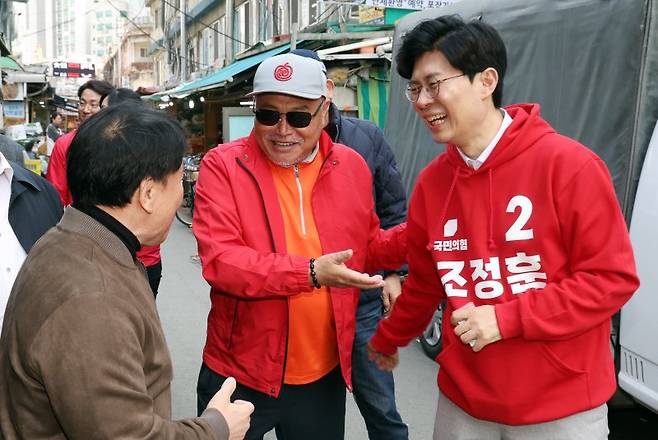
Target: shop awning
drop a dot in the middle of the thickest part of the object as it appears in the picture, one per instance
(26, 77)
(220, 77)
(9, 63)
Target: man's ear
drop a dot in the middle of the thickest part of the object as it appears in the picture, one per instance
(145, 194)
(488, 80)
(330, 89)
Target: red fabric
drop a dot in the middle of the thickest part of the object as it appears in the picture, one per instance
(240, 232)
(554, 359)
(148, 255)
(57, 167)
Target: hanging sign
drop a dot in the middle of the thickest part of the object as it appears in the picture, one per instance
(409, 4)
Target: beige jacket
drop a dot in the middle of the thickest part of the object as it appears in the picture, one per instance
(82, 353)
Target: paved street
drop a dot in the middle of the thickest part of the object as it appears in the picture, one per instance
(183, 303)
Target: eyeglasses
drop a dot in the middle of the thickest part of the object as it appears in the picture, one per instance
(89, 105)
(295, 119)
(412, 92)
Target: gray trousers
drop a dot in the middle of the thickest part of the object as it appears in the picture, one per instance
(452, 423)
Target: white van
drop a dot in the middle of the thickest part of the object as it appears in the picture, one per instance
(638, 374)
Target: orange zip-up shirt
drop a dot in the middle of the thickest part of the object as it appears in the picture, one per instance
(312, 342)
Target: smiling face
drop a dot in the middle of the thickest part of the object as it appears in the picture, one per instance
(461, 107)
(283, 143)
(90, 102)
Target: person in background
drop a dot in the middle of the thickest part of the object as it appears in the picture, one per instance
(29, 206)
(520, 230)
(90, 94)
(82, 352)
(285, 225)
(149, 255)
(374, 389)
(54, 130)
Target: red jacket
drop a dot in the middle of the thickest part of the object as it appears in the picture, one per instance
(148, 255)
(240, 232)
(538, 233)
(57, 167)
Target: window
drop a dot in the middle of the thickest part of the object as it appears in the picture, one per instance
(241, 27)
(220, 41)
(142, 52)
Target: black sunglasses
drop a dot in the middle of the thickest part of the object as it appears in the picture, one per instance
(295, 119)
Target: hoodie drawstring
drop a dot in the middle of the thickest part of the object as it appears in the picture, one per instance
(490, 241)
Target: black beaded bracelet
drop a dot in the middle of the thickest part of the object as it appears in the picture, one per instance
(314, 278)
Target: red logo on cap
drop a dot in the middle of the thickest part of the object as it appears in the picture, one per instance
(283, 72)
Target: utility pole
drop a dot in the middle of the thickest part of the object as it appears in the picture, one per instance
(183, 41)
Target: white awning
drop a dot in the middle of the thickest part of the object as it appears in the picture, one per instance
(14, 76)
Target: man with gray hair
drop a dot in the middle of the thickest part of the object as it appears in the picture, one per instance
(286, 229)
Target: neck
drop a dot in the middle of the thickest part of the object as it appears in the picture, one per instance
(476, 144)
(127, 217)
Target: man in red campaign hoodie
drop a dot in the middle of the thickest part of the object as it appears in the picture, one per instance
(519, 229)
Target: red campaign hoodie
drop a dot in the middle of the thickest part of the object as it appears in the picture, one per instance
(538, 233)
(148, 255)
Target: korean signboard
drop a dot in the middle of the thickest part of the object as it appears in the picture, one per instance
(409, 4)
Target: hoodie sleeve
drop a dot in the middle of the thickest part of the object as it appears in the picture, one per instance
(602, 274)
(421, 293)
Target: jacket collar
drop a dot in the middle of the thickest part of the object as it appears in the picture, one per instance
(334, 125)
(22, 181)
(252, 158)
(80, 223)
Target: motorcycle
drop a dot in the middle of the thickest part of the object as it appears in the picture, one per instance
(185, 211)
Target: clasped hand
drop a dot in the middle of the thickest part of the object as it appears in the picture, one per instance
(476, 326)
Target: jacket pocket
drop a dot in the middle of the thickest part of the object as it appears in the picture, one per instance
(222, 319)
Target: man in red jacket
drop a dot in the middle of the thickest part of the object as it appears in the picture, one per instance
(93, 96)
(519, 229)
(286, 229)
(89, 94)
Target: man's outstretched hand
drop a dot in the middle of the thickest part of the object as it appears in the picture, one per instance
(330, 270)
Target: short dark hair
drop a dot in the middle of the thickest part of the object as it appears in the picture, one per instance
(96, 85)
(53, 115)
(122, 94)
(118, 148)
(470, 47)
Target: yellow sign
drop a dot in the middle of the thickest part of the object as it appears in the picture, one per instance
(371, 15)
(33, 165)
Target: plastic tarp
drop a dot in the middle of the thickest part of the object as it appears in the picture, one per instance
(592, 65)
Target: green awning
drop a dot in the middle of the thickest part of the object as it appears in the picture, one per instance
(9, 63)
(220, 77)
(372, 96)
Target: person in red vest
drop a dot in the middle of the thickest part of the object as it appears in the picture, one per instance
(95, 95)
